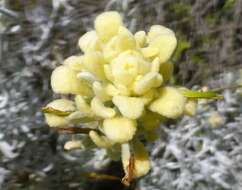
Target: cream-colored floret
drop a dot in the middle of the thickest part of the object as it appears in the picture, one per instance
(125, 68)
(129, 107)
(74, 63)
(162, 39)
(171, 103)
(147, 82)
(89, 42)
(107, 25)
(141, 159)
(157, 30)
(108, 72)
(60, 104)
(122, 42)
(119, 129)
(100, 91)
(100, 140)
(140, 38)
(64, 80)
(100, 109)
(82, 105)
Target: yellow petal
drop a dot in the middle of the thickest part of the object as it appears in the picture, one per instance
(108, 72)
(100, 109)
(94, 62)
(156, 30)
(74, 63)
(150, 51)
(166, 44)
(64, 80)
(125, 68)
(140, 38)
(89, 42)
(100, 140)
(129, 107)
(155, 65)
(148, 81)
(100, 91)
(62, 105)
(107, 25)
(141, 159)
(171, 103)
(119, 129)
(125, 40)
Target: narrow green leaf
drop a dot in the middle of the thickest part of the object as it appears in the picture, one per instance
(198, 94)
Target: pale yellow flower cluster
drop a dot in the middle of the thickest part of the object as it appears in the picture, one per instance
(118, 85)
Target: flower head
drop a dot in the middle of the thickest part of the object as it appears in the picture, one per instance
(120, 89)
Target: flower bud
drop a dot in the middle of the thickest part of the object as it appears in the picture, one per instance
(119, 129)
(107, 25)
(60, 104)
(65, 81)
(100, 140)
(170, 104)
(100, 109)
(125, 105)
(89, 42)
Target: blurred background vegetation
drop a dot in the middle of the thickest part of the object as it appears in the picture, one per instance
(37, 35)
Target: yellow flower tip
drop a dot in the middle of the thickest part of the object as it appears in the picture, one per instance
(112, 90)
(141, 159)
(100, 109)
(149, 52)
(108, 72)
(166, 70)
(190, 107)
(100, 140)
(60, 104)
(74, 63)
(129, 107)
(119, 129)
(64, 80)
(164, 40)
(125, 40)
(157, 30)
(125, 68)
(147, 82)
(100, 91)
(73, 144)
(82, 105)
(89, 42)
(170, 104)
(140, 38)
(107, 25)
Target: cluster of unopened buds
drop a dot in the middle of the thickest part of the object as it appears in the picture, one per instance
(118, 92)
